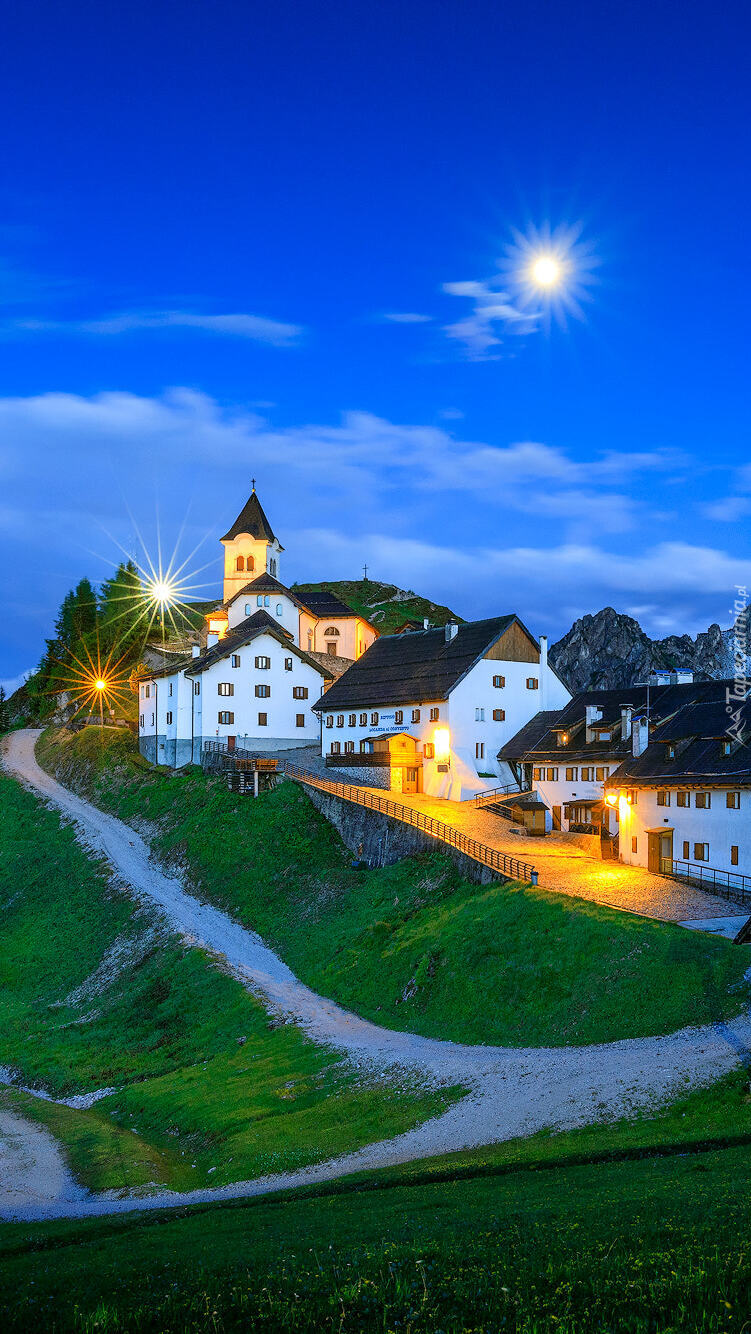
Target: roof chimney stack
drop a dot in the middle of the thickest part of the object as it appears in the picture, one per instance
(195, 651)
(450, 630)
(211, 640)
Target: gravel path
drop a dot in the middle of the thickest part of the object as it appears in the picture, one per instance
(512, 1091)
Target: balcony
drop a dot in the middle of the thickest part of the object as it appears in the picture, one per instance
(376, 759)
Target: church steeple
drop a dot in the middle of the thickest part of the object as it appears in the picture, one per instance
(250, 547)
(252, 521)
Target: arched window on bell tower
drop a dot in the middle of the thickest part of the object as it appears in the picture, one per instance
(251, 564)
(240, 563)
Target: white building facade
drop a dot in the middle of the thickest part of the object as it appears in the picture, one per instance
(435, 706)
(252, 690)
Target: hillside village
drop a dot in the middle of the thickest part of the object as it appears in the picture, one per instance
(656, 774)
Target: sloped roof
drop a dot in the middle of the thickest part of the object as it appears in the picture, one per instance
(701, 728)
(411, 669)
(530, 735)
(251, 520)
(264, 583)
(259, 623)
(324, 604)
(664, 702)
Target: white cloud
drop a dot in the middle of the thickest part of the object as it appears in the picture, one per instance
(407, 317)
(363, 456)
(478, 526)
(668, 584)
(237, 325)
(729, 509)
(493, 316)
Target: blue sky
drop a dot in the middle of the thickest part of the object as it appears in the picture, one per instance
(210, 216)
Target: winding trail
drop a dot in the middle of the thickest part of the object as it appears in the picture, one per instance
(512, 1091)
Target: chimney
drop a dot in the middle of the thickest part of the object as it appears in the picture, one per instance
(593, 714)
(543, 671)
(626, 717)
(639, 737)
(211, 640)
(425, 623)
(195, 651)
(450, 631)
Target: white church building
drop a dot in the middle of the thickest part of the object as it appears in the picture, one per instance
(265, 657)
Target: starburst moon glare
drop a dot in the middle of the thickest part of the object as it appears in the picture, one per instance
(550, 271)
(546, 271)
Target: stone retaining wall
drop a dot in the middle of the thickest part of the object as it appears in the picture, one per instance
(381, 840)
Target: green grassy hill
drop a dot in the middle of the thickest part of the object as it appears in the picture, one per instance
(385, 605)
(411, 946)
(96, 993)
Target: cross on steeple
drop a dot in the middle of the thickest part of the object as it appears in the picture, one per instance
(253, 483)
(365, 572)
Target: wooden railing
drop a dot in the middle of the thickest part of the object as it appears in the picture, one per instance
(731, 885)
(510, 868)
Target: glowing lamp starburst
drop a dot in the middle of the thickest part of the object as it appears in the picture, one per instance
(100, 684)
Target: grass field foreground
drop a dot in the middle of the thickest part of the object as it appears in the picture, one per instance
(652, 1247)
(95, 993)
(411, 946)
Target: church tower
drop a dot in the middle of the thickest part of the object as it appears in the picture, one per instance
(250, 548)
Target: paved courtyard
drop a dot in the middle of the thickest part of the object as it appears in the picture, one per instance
(568, 869)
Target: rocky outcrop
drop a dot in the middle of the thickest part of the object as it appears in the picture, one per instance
(609, 651)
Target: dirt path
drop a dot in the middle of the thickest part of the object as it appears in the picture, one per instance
(512, 1091)
(33, 1171)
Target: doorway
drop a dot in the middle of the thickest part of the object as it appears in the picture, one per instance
(659, 850)
(556, 817)
(231, 742)
(410, 780)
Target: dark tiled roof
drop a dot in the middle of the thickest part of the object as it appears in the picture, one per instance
(258, 624)
(412, 669)
(530, 735)
(326, 605)
(697, 732)
(251, 520)
(664, 701)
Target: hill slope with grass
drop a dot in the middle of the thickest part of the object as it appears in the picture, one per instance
(384, 605)
(96, 993)
(411, 946)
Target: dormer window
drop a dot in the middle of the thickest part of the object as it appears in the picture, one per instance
(727, 747)
(670, 751)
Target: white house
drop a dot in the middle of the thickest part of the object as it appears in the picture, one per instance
(684, 799)
(429, 710)
(570, 757)
(253, 689)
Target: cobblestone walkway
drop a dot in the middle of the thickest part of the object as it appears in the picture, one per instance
(568, 869)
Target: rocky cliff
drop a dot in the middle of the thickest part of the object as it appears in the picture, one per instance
(610, 650)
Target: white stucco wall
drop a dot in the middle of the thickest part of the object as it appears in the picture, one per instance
(458, 713)
(719, 827)
(281, 708)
